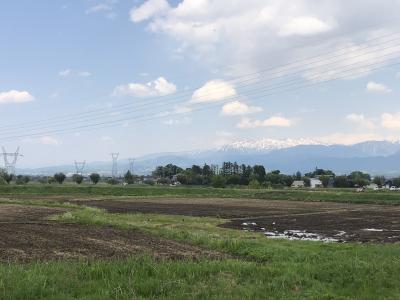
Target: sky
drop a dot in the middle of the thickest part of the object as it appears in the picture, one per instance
(81, 79)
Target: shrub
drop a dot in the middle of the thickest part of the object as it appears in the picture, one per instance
(254, 184)
(59, 177)
(218, 181)
(94, 177)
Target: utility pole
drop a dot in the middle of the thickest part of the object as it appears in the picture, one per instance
(10, 164)
(79, 167)
(131, 164)
(114, 171)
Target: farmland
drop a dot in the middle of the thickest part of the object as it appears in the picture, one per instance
(67, 242)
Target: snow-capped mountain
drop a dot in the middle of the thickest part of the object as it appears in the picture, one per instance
(289, 156)
(267, 144)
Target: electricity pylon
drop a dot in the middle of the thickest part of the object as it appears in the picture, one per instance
(131, 164)
(10, 164)
(114, 170)
(79, 167)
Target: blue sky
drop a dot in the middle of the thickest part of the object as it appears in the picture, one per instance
(183, 64)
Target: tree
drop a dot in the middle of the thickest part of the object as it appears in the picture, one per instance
(379, 180)
(5, 176)
(94, 177)
(218, 181)
(307, 181)
(59, 177)
(396, 182)
(259, 173)
(233, 179)
(77, 178)
(22, 179)
(341, 181)
(254, 184)
(325, 180)
(128, 178)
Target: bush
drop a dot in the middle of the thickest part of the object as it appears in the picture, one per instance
(94, 178)
(218, 181)
(77, 178)
(22, 179)
(254, 184)
(112, 181)
(149, 182)
(59, 177)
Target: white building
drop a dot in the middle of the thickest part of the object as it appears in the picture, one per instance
(315, 183)
(298, 184)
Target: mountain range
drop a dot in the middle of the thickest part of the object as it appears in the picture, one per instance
(289, 156)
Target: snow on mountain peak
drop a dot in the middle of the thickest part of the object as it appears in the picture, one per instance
(267, 144)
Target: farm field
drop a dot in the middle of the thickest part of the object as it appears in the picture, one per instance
(79, 245)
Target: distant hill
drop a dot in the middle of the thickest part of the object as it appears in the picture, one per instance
(289, 156)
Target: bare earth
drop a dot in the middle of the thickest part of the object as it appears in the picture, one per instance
(342, 222)
(26, 235)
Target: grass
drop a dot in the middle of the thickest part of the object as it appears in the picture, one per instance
(334, 195)
(279, 269)
(255, 267)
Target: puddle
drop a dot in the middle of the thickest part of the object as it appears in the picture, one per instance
(292, 234)
(373, 229)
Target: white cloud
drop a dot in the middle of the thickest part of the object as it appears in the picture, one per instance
(391, 121)
(274, 121)
(99, 8)
(14, 96)
(185, 120)
(106, 139)
(64, 73)
(237, 108)
(158, 87)
(84, 74)
(48, 140)
(213, 91)
(148, 10)
(304, 26)
(360, 120)
(349, 139)
(69, 72)
(374, 87)
(228, 33)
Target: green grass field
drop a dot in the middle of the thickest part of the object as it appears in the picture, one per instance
(254, 267)
(333, 195)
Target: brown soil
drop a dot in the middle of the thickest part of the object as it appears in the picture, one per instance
(26, 235)
(344, 222)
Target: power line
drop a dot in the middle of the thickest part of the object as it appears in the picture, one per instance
(280, 71)
(263, 88)
(347, 73)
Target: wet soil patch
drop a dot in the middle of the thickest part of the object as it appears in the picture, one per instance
(26, 235)
(322, 221)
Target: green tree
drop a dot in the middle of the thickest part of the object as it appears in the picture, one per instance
(341, 181)
(396, 182)
(5, 176)
(325, 180)
(218, 181)
(22, 179)
(77, 178)
(94, 177)
(254, 184)
(259, 173)
(379, 180)
(59, 177)
(129, 178)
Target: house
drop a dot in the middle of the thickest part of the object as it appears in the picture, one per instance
(315, 183)
(298, 184)
(372, 186)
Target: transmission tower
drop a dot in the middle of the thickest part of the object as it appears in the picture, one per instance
(10, 164)
(131, 164)
(79, 167)
(114, 171)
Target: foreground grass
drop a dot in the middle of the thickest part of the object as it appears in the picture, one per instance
(334, 195)
(264, 268)
(145, 278)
